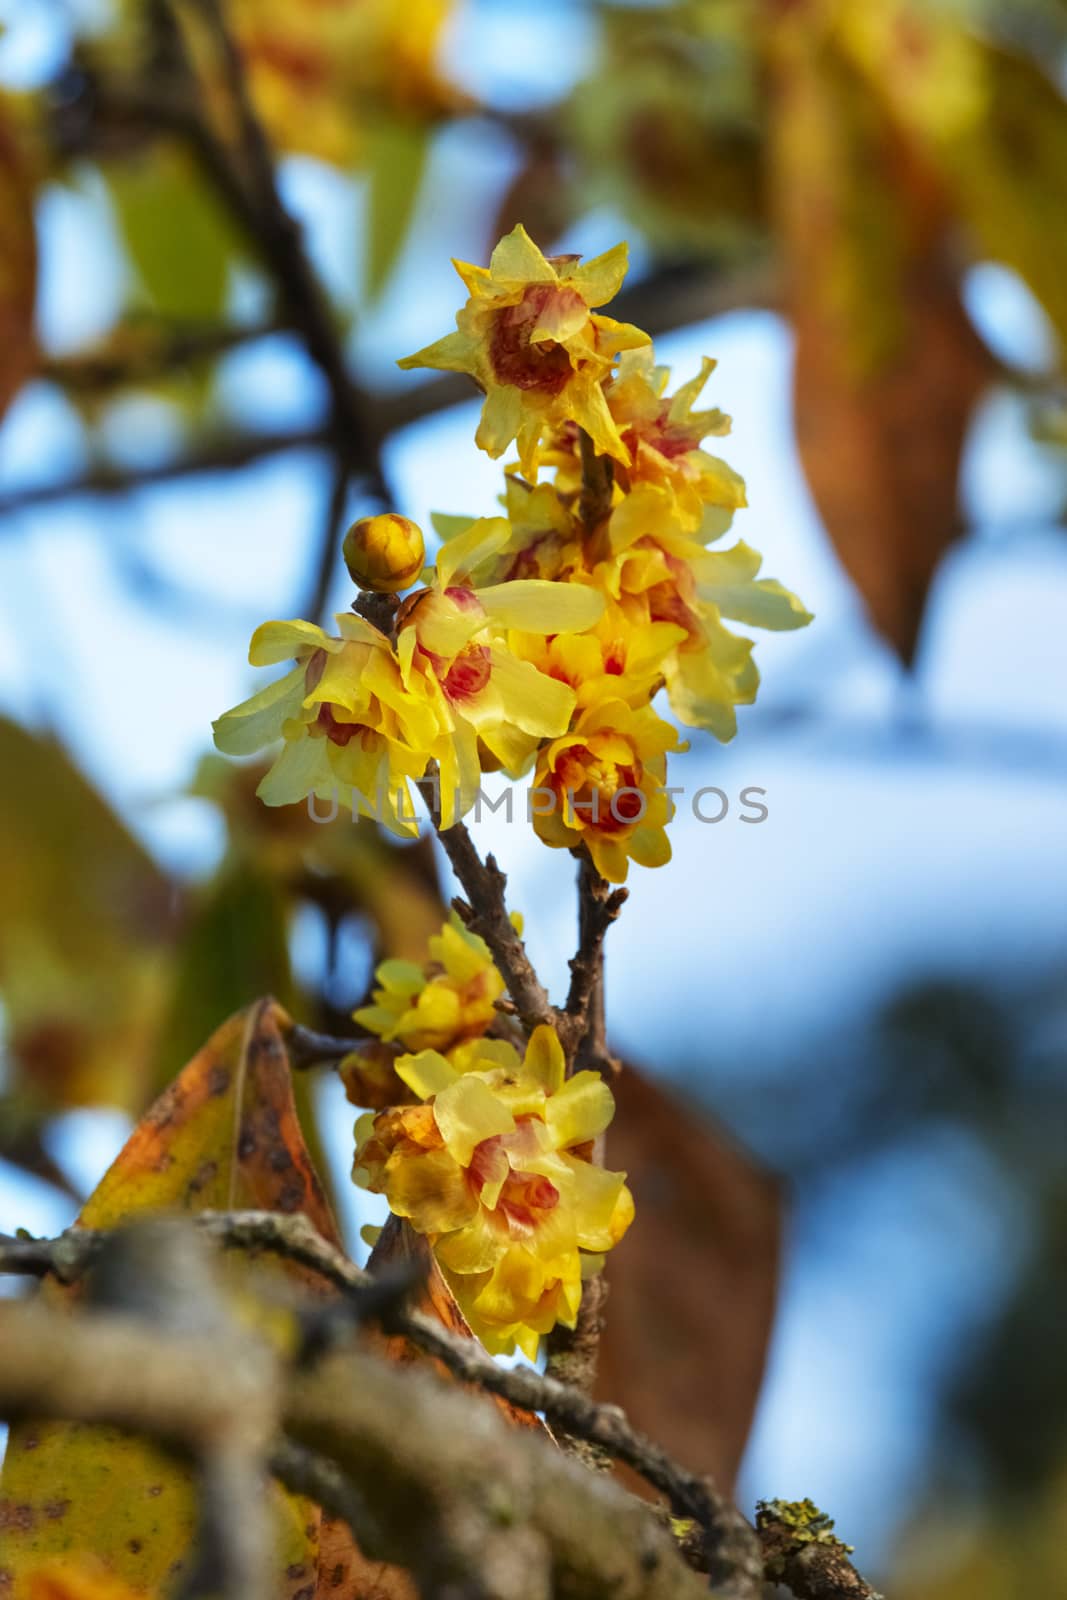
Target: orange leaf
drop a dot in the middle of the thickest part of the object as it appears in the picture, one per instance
(888, 367)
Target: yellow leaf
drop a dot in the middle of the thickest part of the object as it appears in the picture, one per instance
(225, 1134)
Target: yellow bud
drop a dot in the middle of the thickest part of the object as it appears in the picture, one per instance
(384, 553)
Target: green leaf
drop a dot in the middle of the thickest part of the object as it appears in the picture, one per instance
(180, 241)
(396, 161)
(85, 933)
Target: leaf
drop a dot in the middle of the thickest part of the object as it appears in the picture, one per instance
(888, 368)
(994, 125)
(18, 267)
(234, 944)
(181, 242)
(87, 923)
(692, 1287)
(397, 151)
(225, 1134)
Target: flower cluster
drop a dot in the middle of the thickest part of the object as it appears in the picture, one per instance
(539, 640)
(493, 1164)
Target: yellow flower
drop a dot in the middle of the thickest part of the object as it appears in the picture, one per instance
(539, 538)
(451, 650)
(349, 725)
(530, 339)
(621, 658)
(603, 785)
(663, 435)
(493, 1169)
(438, 1005)
(657, 572)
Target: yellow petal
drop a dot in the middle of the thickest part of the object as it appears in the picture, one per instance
(477, 1247)
(427, 1073)
(501, 418)
(431, 1190)
(594, 1196)
(581, 1109)
(302, 768)
(279, 641)
(258, 721)
(456, 352)
(544, 1059)
(466, 1113)
(464, 553)
(517, 260)
(600, 279)
(402, 977)
(536, 605)
(539, 705)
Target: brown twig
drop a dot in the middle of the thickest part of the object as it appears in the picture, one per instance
(307, 1048)
(282, 248)
(485, 911)
(598, 907)
(325, 564)
(218, 455)
(135, 354)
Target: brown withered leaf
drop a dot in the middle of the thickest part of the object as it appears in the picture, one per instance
(888, 367)
(399, 1243)
(18, 266)
(223, 1135)
(692, 1287)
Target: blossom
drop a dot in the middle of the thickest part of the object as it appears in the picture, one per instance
(602, 785)
(452, 648)
(436, 1006)
(658, 572)
(529, 337)
(349, 725)
(663, 436)
(493, 1169)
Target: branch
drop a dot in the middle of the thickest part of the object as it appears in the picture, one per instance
(309, 1049)
(132, 355)
(461, 1499)
(220, 455)
(499, 1502)
(598, 907)
(282, 248)
(729, 1539)
(485, 910)
(75, 1251)
(801, 1551)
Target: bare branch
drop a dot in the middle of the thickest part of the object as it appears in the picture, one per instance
(217, 455)
(598, 907)
(730, 1545)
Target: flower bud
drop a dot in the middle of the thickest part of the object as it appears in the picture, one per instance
(384, 553)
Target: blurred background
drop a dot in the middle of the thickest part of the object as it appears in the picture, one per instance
(859, 209)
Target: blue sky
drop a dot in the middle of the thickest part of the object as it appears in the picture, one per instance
(914, 826)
